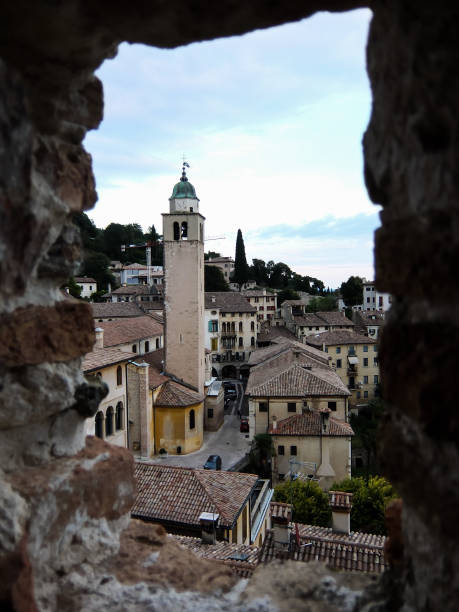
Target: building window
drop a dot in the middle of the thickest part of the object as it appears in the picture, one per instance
(365, 362)
(358, 394)
(263, 407)
(100, 424)
(368, 300)
(119, 416)
(293, 450)
(184, 233)
(365, 348)
(240, 342)
(109, 421)
(176, 231)
(147, 346)
(252, 325)
(375, 361)
(157, 343)
(291, 407)
(119, 376)
(338, 363)
(338, 350)
(365, 380)
(134, 348)
(213, 326)
(214, 344)
(365, 394)
(240, 326)
(252, 341)
(376, 379)
(332, 406)
(192, 419)
(210, 413)
(281, 450)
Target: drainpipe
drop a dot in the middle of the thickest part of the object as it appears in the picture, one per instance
(127, 404)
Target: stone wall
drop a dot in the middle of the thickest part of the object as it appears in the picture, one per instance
(65, 500)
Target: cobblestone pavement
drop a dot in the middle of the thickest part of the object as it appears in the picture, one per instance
(228, 441)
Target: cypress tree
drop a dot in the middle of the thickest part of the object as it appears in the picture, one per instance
(241, 268)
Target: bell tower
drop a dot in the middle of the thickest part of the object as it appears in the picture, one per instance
(183, 236)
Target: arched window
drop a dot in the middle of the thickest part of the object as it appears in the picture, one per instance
(119, 416)
(192, 419)
(147, 346)
(252, 341)
(109, 421)
(252, 326)
(100, 424)
(233, 327)
(240, 341)
(240, 326)
(224, 327)
(119, 376)
(176, 231)
(184, 230)
(157, 342)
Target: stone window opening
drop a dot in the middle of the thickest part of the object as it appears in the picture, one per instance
(192, 419)
(109, 421)
(119, 416)
(119, 376)
(184, 231)
(176, 230)
(99, 428)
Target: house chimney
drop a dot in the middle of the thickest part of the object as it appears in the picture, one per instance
(209, 524)
(340, 504)
(99, 338)
(281, 516)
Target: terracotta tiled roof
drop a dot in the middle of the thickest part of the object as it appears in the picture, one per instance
(135, 290)
(115, 309)
(309, 319)
(228, 301)
(310, 424)
(282, 344)
(355, 552)
(130, 330)
(241, 558)
(103, 357)
(174, 394)
(281, 511)
(269, 333)
(338, 337)
(334, 317)
(292, 374)
(84, 279)
(180, 495)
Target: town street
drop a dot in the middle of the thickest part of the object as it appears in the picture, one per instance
(228, 441)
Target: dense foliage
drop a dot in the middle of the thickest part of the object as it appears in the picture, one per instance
(324, 303)
(366, 426)
(241, 268)
(214, 279)
(369, 501)
(352, 291)
(310, 503)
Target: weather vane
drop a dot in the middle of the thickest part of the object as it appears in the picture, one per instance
(185, 163)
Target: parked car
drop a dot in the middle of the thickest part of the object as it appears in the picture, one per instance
(214, 462)
(244, 426)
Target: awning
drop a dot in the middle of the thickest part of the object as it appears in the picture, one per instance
(353, 360)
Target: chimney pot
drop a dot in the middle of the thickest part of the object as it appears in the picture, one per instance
(99, 343)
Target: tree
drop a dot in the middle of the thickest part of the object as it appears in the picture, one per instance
(241, 268)
(214, 279)
(74, 289)
(260, 455)
(310, 503)
(96, 265)
(287, 294)
(211, 255)
(280, 276)
(259, 272)
(322, 304)
(366, 426)
(369, 502)
(352, 291)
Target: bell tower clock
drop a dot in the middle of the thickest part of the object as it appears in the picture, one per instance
(183, 236)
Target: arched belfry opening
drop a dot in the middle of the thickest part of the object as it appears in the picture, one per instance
(84, 487)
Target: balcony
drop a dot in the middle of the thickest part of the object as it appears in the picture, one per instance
(352, 370)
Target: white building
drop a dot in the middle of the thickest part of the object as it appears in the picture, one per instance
(137, 274)
(87, 284)
(226, 265)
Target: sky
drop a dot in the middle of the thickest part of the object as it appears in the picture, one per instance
(271, 124)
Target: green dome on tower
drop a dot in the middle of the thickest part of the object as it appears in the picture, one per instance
(183, 189)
